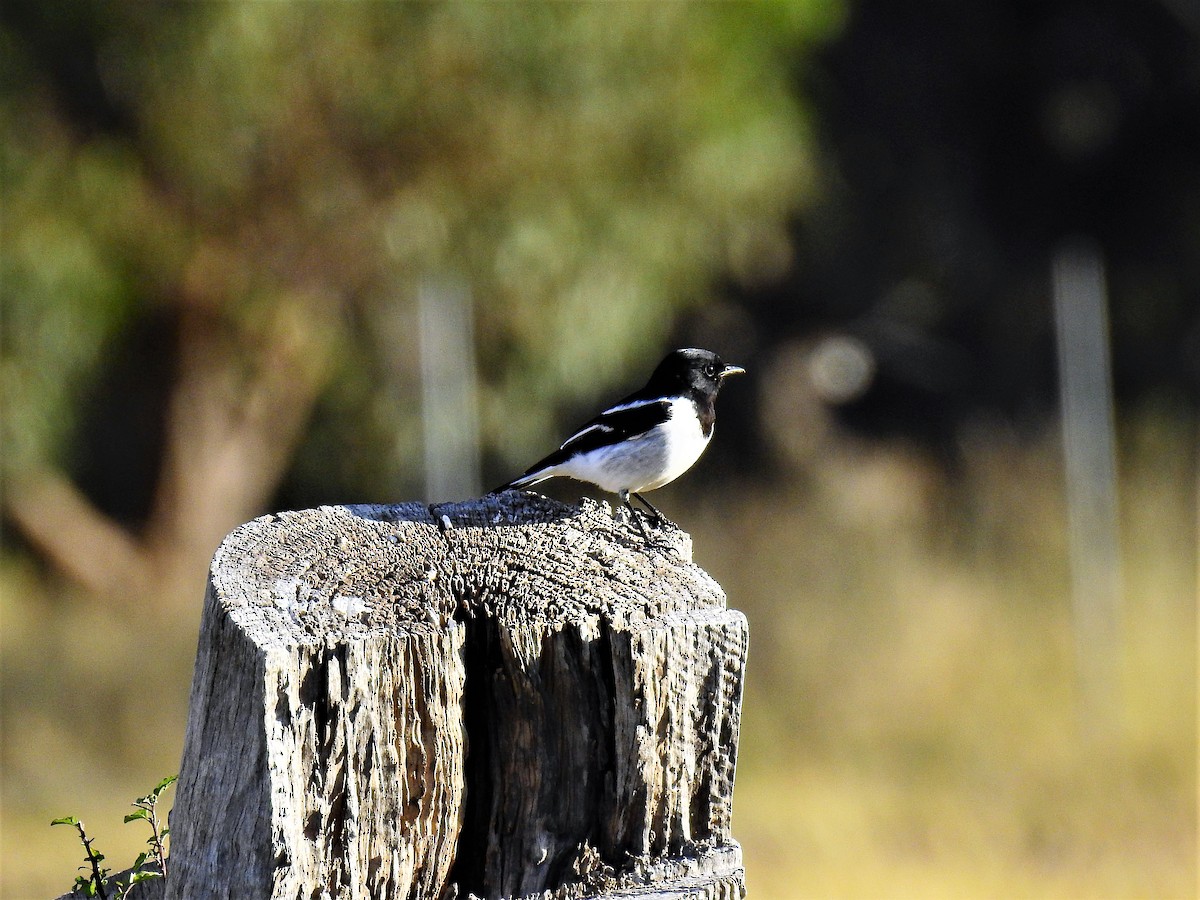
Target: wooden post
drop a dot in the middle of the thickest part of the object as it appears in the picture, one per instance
(497, 698)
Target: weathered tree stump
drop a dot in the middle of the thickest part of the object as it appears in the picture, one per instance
(497, 698)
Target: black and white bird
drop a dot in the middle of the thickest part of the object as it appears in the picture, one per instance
(649, 438)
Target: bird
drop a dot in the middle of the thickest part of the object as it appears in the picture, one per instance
(647, 439)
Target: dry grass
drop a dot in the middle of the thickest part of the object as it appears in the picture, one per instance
(911, 728)
(94, 708)
(912, 724)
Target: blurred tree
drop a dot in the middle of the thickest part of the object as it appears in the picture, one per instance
(253, 193)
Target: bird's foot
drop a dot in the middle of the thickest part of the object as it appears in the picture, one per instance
(641, 527)
(634, 515)
(639, 517)
(660, 520)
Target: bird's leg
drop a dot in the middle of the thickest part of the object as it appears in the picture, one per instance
(634, 514)
(659, 518)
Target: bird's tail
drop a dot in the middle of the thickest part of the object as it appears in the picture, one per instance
(527, 480)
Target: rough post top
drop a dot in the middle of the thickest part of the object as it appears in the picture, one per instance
(313, 575)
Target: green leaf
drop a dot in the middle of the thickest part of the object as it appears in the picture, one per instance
(140, 814)
(66, 820)
(163, 785)
(141, 859)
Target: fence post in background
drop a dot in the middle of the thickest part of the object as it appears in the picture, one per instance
(497, 698)
(1089, 451)
(449, 401)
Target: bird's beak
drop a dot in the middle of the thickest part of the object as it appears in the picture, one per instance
(732, 370)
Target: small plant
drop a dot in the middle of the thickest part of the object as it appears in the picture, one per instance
(147, 810)
(89, 885)
(151, 863)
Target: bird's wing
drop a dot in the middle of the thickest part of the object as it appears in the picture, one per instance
(629, 418)
(618, 423)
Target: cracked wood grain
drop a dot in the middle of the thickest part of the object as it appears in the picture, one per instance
(498, 698)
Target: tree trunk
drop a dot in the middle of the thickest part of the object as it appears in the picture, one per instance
(495, 698)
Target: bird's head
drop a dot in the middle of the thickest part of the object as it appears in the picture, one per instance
(693, 370)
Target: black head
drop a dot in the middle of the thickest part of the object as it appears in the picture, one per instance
(695, 371)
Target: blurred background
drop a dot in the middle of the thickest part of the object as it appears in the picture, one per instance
(259, 256)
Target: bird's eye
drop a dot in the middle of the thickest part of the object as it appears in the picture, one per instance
(710, 370)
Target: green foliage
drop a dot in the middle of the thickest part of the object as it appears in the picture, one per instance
(151, 863)
(92, 883)
(66, 296)
(589, 172)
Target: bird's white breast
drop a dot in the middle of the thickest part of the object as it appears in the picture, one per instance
(685, 442)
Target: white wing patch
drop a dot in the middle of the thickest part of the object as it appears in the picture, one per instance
(635, 404)
(599, 426)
